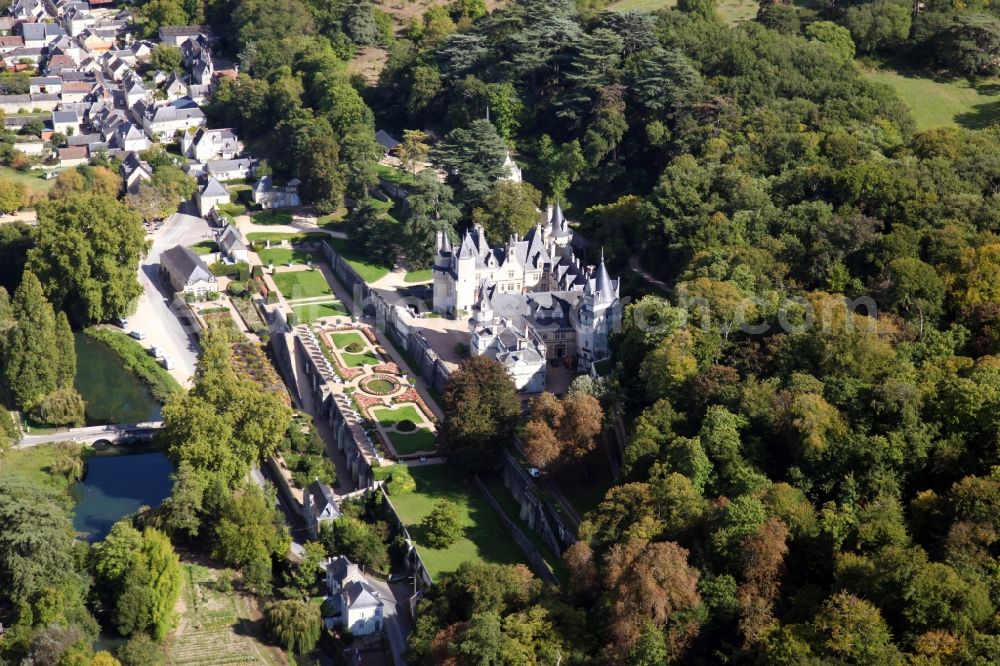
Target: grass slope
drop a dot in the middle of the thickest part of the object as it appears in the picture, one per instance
(32, 179)
(369, 271)
(310, 312)
(484, 539)
(937, 102)
(138, 361)
(34, 465)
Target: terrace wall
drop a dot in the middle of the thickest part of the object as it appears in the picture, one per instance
(336, 409)
(393, 320)
(536, 511)
(413, 561)
(343, 270)
(535, 559)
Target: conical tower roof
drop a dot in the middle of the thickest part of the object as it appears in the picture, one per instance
(602, 281)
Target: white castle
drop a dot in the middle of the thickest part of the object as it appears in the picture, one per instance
(530, 299)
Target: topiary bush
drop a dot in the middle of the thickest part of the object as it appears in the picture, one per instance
(406, 425)
(353, 348)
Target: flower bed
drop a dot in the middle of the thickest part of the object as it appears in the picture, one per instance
(387, 368)
(370, 334)
(378, 385)
(365, 401)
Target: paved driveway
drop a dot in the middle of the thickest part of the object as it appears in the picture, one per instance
(154, 314)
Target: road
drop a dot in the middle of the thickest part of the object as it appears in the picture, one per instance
(396, 619)
(154, 314)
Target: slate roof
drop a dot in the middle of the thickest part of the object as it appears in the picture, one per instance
(185, 265)
(386, 140)
(321, 495)
(213, 188)
(360, 595)
(231, 240)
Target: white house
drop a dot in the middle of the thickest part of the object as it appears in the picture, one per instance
(163, 122)
(65, 122)
(238, 169)
(356, 605)
(318, 496)
(186, 272)
(210, 195)
(319, 505)
(267, 195)
(206, 145)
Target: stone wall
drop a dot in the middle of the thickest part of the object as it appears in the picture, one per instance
(535, 559)
(535, 511)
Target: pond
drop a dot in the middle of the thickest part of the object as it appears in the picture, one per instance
(117, 485)
(112, 393)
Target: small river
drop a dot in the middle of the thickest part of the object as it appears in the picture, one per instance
(117, 485)
(112, 393)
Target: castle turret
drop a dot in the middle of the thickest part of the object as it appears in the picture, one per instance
(596, 315)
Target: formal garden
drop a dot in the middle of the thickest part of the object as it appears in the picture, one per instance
(380, 391)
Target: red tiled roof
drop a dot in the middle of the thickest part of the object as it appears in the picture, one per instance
(73, 153)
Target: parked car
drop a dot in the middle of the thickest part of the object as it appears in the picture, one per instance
(137, 334)
(168, 362)
(122, 322)
(534, 472)
(155, 351)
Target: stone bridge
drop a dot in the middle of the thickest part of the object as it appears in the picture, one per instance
(90, 435)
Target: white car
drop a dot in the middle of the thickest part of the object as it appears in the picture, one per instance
(534, 472)
(137, 334)
(168, 362)
(155, 351)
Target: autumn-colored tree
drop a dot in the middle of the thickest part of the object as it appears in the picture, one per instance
(541, 445)
(579, 559)
(763, 556)
(852, 630)
(626, 512)
(650, 582)
(562, 429)
(581, 424)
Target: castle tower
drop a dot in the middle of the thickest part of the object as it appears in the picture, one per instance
(482, 318)
(443, 282)
(599, 313)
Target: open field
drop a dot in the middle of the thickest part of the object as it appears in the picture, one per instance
(484, 539)
(218, 627)
(302, 284)
(32, 179)
(731, 11)
(310, 312)
(938, 102)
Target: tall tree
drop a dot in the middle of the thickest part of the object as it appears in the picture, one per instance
(32, 367)
(480, 411)
(295, 624)
(86, 256)
(509, 208)
(474, 160)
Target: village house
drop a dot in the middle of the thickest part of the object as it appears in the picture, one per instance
(30, 145)
(225, 170)
(186, 272)
(65, 122)
(267, 195)
(319, 506)
(162, 123)
(73, 156)
(39, 35)
(9, 43)
(206, 145)
(45, 85)
(354, 603)
(176, 35)
(134, 171)
(210, 195)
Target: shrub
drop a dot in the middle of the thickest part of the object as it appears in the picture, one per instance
(443, 525)
(406, 425)
(62, 407)
(237, 289)
(353, 348)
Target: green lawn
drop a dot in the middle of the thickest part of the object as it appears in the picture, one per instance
(334, 220)
(342, 340)
(282, 256)
(310, 312)
(272, 216)
(369, 272)
(32, 179)
(205, 247)
(357, 360)
(33, 465)
(484, 538)
(389, 416)
(419, 440)
(302, 284)
(263, 236)
(419, 276)
(937, 102)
